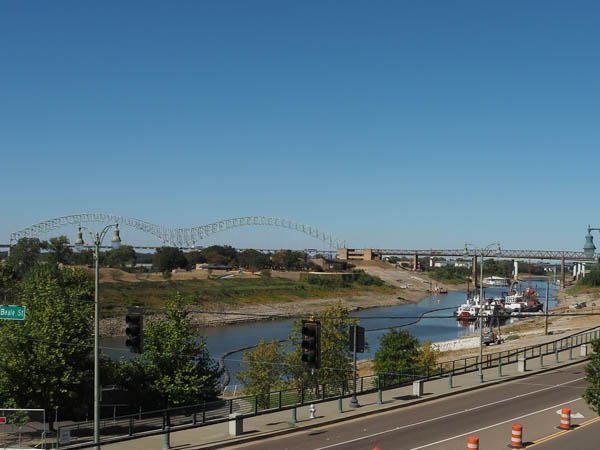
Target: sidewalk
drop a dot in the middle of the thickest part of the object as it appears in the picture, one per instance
(277, 423)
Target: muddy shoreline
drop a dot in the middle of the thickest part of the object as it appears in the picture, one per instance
(243, 313)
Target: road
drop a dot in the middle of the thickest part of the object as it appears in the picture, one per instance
(447, 423)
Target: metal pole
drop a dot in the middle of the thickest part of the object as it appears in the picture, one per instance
(354, 400)
(96, 347)
(547, 295)
(481, 321)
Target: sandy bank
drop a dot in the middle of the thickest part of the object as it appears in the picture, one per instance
(411, 288)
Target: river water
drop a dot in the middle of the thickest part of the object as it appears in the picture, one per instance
(230, 337)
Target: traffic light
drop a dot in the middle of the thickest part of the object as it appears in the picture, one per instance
(134, 330)
(311, 344)
(360, 339)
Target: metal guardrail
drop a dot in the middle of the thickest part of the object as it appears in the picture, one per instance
(156, 422)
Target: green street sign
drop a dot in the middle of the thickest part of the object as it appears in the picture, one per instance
(12, 312)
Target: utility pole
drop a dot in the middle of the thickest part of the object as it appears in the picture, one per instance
(547, 295)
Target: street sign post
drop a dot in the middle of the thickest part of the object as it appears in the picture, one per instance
(12, 312)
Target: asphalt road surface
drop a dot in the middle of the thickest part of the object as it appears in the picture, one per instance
(447, 423)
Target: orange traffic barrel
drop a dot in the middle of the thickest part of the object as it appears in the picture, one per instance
(516, 438)
(473, 443)
(565, 419)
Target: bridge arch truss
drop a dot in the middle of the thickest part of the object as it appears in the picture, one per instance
(177, 237)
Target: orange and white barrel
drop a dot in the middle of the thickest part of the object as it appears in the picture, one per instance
(565, 419)
(473, 443)
(516, 438)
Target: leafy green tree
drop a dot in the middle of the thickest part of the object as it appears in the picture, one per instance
(592, 279)
(59, 251)
(8, 283)
(398, 351)
(592, 375)
(336, 358)
(288, 260)
(195, 257)
(25, 254)
(175, 367)
(83, 257)
(45, 360)
(120, 257)
(220, 255)
(169, 258)
(253, 260)
(264, 370)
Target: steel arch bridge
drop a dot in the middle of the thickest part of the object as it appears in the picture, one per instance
(177, 237)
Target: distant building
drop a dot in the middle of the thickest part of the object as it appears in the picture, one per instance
(463, 264)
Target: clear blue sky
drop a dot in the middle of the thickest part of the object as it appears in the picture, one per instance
(390, 124)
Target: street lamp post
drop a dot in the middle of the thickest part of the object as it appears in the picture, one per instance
(79, 244)
(589, 248)
(481, 251)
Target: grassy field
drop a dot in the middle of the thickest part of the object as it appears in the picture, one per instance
(230, 291)
(581, 289)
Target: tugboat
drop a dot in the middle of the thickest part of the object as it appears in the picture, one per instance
(438, 289)
(523, 301)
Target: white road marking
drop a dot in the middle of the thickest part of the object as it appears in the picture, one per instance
(455, 414)
(573, 416)
(496, 424)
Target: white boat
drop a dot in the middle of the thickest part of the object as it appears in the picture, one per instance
(523, 301)
(467, 313)
(496, 281)
(515, 302)
(469, 310)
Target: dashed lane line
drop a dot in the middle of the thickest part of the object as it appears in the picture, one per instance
(457, 413)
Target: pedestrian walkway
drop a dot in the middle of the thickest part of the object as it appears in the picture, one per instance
(281, 422)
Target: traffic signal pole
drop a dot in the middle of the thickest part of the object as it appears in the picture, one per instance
(354, 401)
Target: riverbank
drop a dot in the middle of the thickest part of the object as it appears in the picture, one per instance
(217, 315)
(410, 287)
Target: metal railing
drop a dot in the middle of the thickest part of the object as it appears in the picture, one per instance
(156, 422)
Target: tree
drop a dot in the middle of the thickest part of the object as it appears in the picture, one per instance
(169, 258)
(336, 359)
(592, 279)
(8, 283)
(45, 360)
(59, 251)
(397, 352)
(194, 257)
(175, 367)
(264, 370)
(120, 257)
(426, 357)
(253, 260)
(220, 255)
(83, 257)
(288, 260)
(592, 375)
(25, 254)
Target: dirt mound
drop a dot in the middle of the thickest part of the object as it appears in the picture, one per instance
(110, 275)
